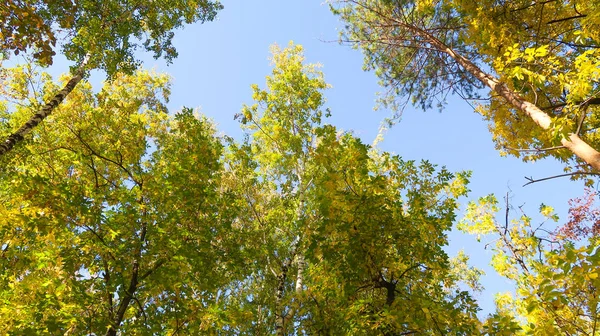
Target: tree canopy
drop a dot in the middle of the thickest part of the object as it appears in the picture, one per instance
(109, 31)
(122, 216)
(300, 228)
(539, 61)
(97, 35)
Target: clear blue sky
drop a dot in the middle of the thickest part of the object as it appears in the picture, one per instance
(219, 60)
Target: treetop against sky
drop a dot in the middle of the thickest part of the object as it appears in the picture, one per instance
(180, 220)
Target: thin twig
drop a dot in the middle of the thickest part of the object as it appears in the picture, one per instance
(534, 149)
(532, 180)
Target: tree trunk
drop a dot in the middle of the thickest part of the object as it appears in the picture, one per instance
(129, 292)
(281, 318)
(131, 289)
(300, 276)
(279, 313)
(45, 111)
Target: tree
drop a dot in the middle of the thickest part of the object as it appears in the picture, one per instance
(145, 223)
(555, 274)
(112, 216)
(538, 59)
(346, 239)
(98, 35)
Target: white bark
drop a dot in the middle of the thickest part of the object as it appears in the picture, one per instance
(45, 111)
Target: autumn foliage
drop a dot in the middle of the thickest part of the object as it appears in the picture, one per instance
(584, 217)
(119, 216)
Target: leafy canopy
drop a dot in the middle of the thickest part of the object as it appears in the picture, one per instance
(540, 60)
(112, 216)
(554, 267)
(110, 31)
(142, 222)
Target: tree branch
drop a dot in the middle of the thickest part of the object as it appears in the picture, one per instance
(567, 18)
(589, 101)
(141, 308)
(532, 180)
(37, 118)
(535, 149)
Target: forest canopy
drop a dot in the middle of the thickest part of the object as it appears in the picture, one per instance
(120, 215)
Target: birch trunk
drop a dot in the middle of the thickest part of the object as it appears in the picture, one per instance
(45, 111)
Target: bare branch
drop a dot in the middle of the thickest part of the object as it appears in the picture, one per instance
(535, 149)
(532, 180)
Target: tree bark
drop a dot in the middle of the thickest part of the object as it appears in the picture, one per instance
(125, 302)
(281, 317)
(46, 110)
(279, 313)
(300, 276)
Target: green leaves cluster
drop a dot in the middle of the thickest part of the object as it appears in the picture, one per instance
(555, 274)
(106, 209)
(142, 222)
(118, 217)
(539, 60)
(96, 36)
(109, 31)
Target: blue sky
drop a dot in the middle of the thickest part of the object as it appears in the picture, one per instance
(219, 60)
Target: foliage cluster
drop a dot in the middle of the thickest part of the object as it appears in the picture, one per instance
(146, 222)
(119, 217)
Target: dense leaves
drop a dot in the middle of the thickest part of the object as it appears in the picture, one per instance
(555, 272)
(124, 229)
(353, 237)
(98, 35)
(145, 223)
(118, 217)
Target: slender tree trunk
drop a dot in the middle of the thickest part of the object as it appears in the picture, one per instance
(279, 313)
(301, 263)
(129, 293)
(125, 302)
(574, 143)
(46, 110)
(281, 317)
